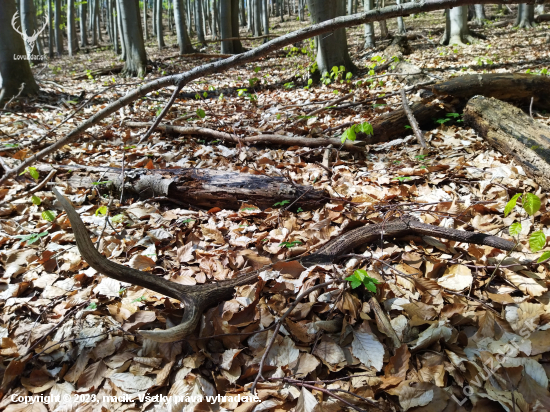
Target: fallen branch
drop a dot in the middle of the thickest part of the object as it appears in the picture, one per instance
(262, 138)
(412, 120)
(181, 79)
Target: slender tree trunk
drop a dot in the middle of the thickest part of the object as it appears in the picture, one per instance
(257, 5)
(72, 41)
(13, 72)
(93, 21)
(181, 28)
(98, 20)
(250, 9)
(114, 19)
(350, 7)
(158, 17)
(400, 23)
(301, 9)
(526, 16)
(229, 26)
(369, 27)
(198, 22)
(58, 36)
(242, 13)
(136, 58)
(480, 17)
(154, 18)
(145, 28)
(331, 50)
(27, 16)
(83, 27)
(265, 18)
(120, 31)
(50, 29)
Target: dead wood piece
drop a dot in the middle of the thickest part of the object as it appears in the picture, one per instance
(258, 139)
(412, 120)
(514, 133)
(391, 126)
(99, 72)
(542, 17)
(513, 87)
(205, 188)
(411, 74)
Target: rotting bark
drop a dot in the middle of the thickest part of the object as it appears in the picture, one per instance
(513, 87)
(204, 188)
(182, 79)
(514, 133)
(258, 139)
(391, 126)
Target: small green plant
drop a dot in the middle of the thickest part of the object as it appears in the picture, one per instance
(101, 211)
(361, 277)
(351, 133)
(291, 244)
(10, 145)
(299, 210)
(36, 200)
(101, 183)
(402, 178)
(32, 238)
(420, 157)
(32, 171)
(281, 203)
(531, 204)
(188, 220)
(91, 306)
(140, 299)
(289, 85)
(49, 215)
(201, 113)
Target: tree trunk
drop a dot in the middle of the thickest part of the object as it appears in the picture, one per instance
(98, 20)
(198, 22)
(539, 9)
(514, 133)
(456, 27)
(301, 10)
(72, 40)
(83, 27)
(265, 18)
(250, 8)
(145, 28)
(242, 13)
(14, 72)
(28, 27)
(229, 26)
(400, 23)
(369, 27)
(257, 9)
(181, 28)
(115, 26)
(526, 16)
(51, 31)
(160, 31)
(331, 50)
(136, 59)
(93, 21)
(120, 31)
(58, 36)
(480, 17)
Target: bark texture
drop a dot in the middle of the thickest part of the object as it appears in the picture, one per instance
(205, 187)
(135, 57)
(514, 133)
(513, 87)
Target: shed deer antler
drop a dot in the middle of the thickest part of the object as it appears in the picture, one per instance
(199, 297)
(195, 298)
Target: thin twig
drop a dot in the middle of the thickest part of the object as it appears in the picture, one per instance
(412, 120)
(37, 187)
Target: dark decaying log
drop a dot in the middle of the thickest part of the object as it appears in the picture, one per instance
(204, 188)
(514, 133)
(391, 125)
(512, 87)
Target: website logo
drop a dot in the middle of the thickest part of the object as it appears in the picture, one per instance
(29, 40)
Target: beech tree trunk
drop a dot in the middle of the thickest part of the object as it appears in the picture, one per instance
(13, 72)
(369, 27)
(480, 17)
(331, 50)
(456, 27)
(160, 30)
(184, 41)
(526, 16)
(83, 7)
(72, 41)
(135, 63)
(28, 26)
(229, 27)
(58, 36)
(514, 133)
(400, 23)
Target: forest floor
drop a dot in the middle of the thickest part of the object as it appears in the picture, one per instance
(331, 353)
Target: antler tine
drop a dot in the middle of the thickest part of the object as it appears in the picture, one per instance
(35, 36)
(195, 298)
